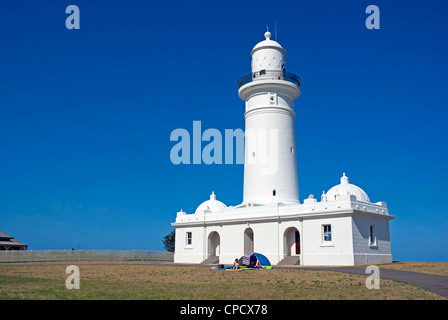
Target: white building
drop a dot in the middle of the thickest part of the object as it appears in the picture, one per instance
(344, 228)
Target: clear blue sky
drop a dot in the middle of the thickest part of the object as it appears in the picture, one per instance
(86, 115)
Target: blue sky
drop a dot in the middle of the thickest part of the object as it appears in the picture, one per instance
(86, 115)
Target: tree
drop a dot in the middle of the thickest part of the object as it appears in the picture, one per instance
(169, 240)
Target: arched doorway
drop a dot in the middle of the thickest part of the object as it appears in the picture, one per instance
(248, 240)
(213, 244)
(291, 240)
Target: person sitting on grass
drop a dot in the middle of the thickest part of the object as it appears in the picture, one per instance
(236, 265)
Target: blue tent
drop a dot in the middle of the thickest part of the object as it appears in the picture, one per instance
(256, 260)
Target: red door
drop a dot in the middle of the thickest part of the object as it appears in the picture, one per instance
(297, 242)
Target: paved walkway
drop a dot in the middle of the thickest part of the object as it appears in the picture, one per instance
(431, 282)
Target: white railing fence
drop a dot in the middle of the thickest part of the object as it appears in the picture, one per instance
(83, 255)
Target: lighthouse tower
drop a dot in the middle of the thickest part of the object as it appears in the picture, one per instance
(270, 168)
(344, 228)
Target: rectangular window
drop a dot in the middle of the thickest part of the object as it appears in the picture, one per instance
(372, 237)
(189, 238)
(326, 232)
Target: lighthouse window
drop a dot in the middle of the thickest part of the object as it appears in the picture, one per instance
(253, 154)
(274, 192)
(292, 150)
(189, 238)
(326, 233)
(372, 236)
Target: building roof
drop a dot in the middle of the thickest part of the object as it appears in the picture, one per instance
(213, 205)
(268, 43)
(4, 235)
(346, 188)
(7, 240)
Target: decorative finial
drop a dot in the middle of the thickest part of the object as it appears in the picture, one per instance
(323, 196)
(213, 196)
(267, 35)
(344, 178)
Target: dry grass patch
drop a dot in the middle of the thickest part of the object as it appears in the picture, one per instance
(437, 268)
(144, 281)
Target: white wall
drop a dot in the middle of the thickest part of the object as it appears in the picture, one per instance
(232, 240)
(318, 252)
(268, 59)
(193, 253)
(364, 252)
(349, 245)
(269, 162)
(266, 236)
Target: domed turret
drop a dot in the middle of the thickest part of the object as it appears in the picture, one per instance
(346, 188)
(268, 55)
(212, 205)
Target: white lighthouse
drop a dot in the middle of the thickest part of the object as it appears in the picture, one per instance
(270, 171)
(344, 228)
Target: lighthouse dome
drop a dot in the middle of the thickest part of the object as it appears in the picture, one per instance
(346, 188)
(212, 205)
(268, 43)
(267, 56)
